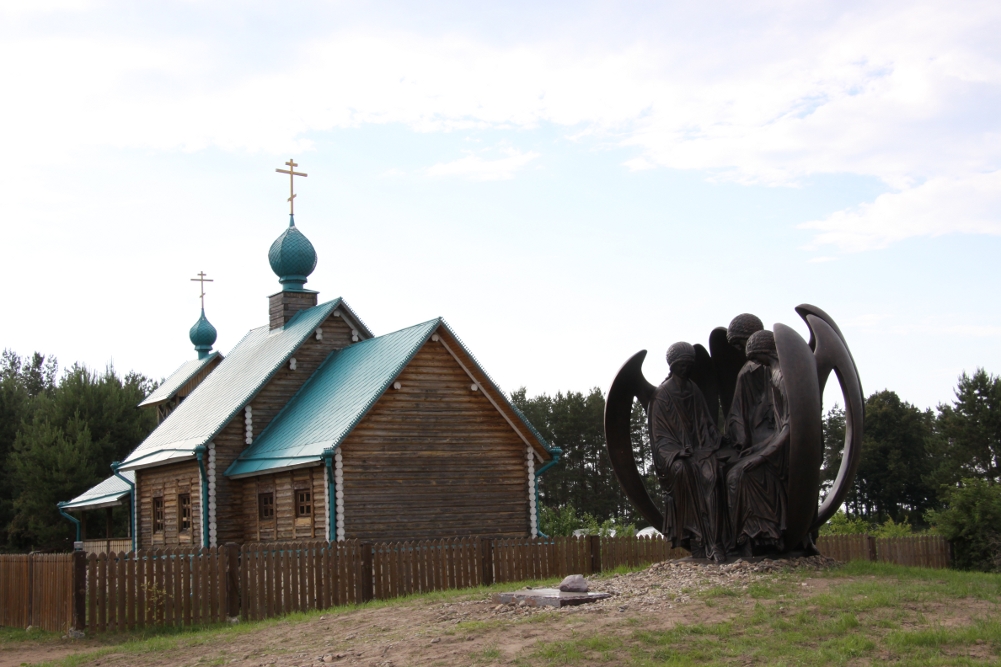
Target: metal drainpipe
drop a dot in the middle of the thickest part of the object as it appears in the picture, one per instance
(76, 544)
(328, 460)
(556, 452)
(200, 455)
(132, 501)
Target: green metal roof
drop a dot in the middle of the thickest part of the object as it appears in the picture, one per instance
(108, 493)
(227, 389)
(337, 397)
(177, 379)
(332, 402)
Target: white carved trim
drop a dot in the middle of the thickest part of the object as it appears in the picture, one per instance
(326, 501)
(248, 421)
(533, 517)
(339, 493)
(213, 532)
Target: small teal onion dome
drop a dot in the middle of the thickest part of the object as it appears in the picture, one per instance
(203, 336)
(292, 258)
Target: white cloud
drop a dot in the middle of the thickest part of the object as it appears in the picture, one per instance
(970, 203)
(476, 168)
(904, 92)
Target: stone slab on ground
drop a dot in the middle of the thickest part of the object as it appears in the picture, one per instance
(548, 597)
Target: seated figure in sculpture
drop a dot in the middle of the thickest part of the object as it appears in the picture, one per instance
(758, 425)
(685, 440)
(749, 417)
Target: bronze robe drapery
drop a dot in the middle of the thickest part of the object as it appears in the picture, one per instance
(751, 417)
(685, 440)
(756, 483)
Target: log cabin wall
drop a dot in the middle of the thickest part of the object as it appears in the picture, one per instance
(165, 483)
(434, 459)
(231, 514)
(285, 524)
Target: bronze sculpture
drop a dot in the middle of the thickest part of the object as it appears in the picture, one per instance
(751, 487)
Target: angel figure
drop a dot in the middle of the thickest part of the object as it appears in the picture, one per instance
(756, 483)
(685, 440)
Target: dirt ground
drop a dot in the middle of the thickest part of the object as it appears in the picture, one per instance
(462, 631)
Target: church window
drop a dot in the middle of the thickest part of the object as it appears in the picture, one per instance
(184, 511)
(158, 515)
(266, 506)
(304, 504)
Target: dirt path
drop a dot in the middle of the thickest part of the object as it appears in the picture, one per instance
(462, 631)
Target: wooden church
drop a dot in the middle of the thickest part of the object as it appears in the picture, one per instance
(312, 427)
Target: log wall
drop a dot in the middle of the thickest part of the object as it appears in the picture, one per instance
(285, 525)
(234, 503)
(166, 482)
(434, 459)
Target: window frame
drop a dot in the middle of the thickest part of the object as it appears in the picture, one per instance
(158, 516)
(184, 512)
(301, 503)
(266, 511)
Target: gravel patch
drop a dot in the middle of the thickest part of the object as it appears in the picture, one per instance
(669, 583)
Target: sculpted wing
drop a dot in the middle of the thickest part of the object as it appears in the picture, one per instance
(628, 384)
(704, 375)
(727, 362)
(831, 354)
(802, 393)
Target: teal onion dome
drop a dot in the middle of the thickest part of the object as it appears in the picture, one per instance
(292, 258)
(202, 336)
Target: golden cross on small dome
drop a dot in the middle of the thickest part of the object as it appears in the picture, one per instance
(202, 279)
(292, 173)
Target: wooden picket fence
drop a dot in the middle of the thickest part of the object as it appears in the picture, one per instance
(634, 552)
(847, 547)
(278, 578)
(183, 587)
(36, 590)
(163, 587)
(406, 568)
(915, 551)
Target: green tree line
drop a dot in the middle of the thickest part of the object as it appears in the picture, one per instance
(59, 434)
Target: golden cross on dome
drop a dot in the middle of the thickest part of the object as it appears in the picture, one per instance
(292, 173)
(202, 279)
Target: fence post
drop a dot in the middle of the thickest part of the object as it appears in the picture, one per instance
(233, 580)
(31, 589)
(871, 543)
(594, 542)
(367, 564)
(486, 561)
(79, 590)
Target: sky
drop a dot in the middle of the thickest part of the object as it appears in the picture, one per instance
(565, 183)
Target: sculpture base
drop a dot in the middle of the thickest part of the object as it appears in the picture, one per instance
(548, 597)
(789, 555)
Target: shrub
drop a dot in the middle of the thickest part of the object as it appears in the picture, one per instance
(842, 524)
(971, 521)
(892, 529)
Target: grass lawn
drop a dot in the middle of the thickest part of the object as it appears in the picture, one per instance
(869, 613)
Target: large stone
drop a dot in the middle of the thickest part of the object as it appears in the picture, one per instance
(575, 583)
(547, 597)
